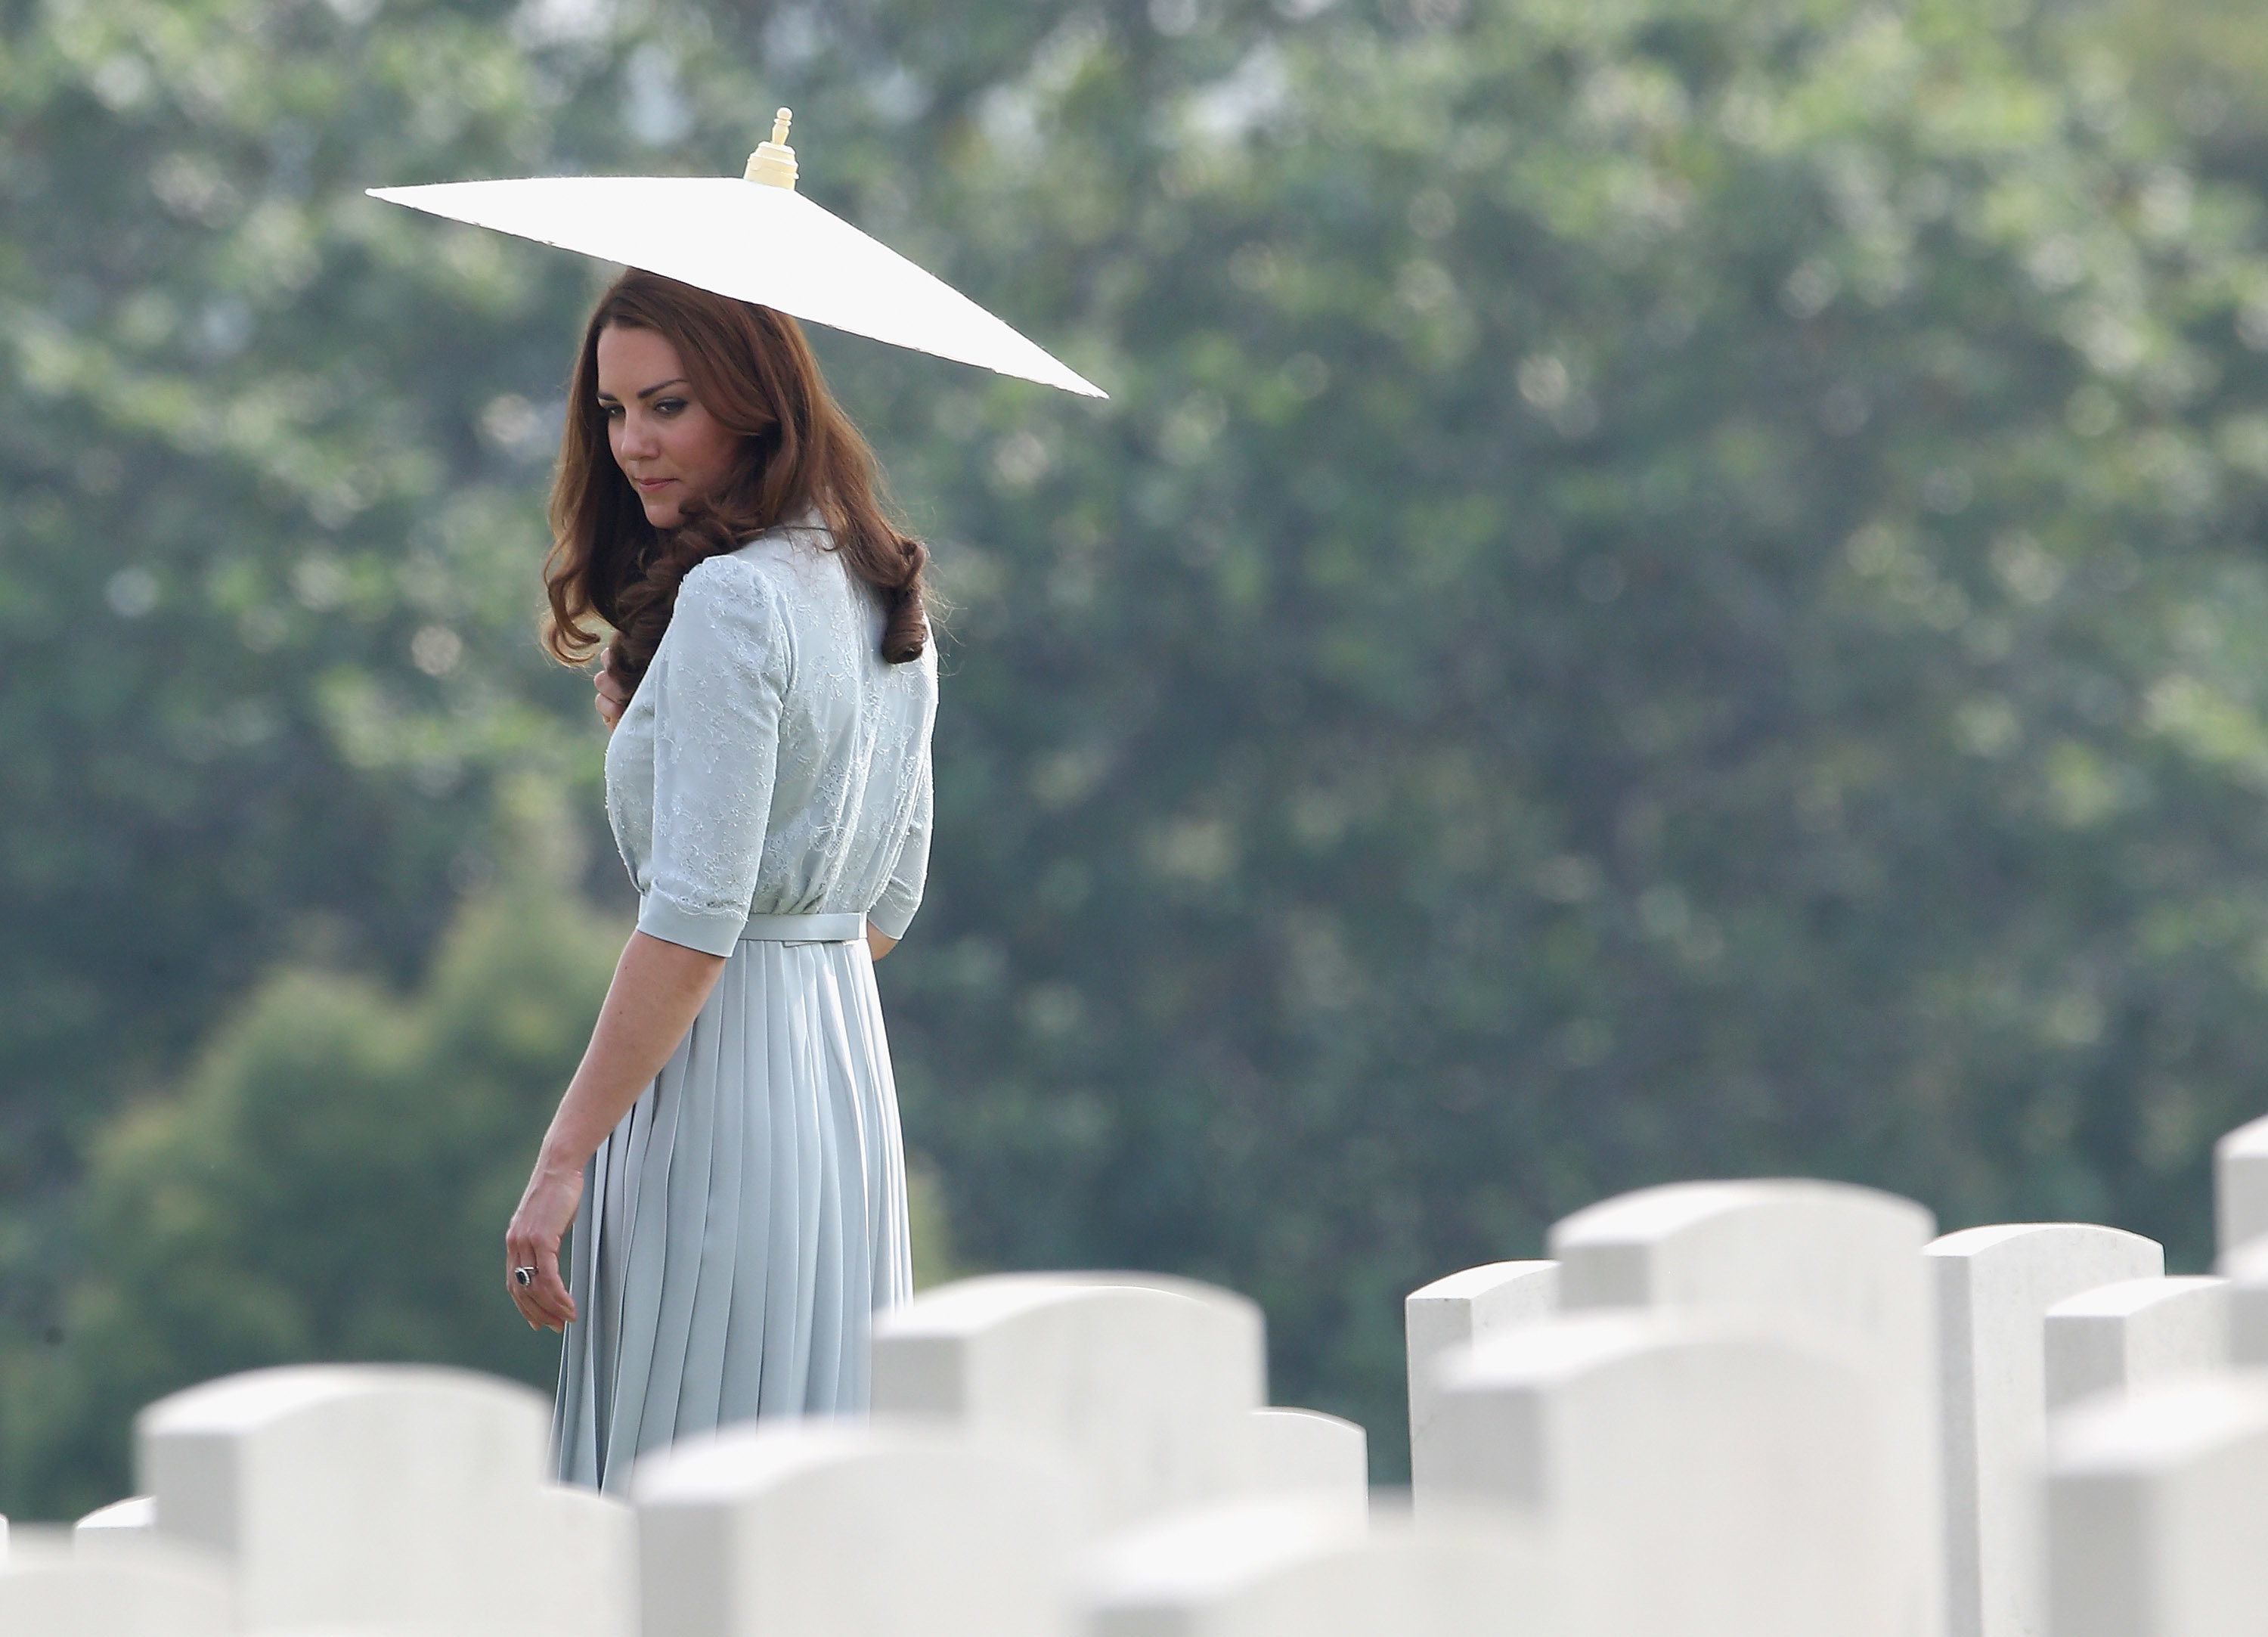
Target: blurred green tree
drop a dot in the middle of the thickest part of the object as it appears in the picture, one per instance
(331, 1182)
(1668, 590)
(266, 581)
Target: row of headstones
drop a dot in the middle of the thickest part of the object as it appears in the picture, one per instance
(1754, 1408)
(1030, 1431)
(1783, 1407)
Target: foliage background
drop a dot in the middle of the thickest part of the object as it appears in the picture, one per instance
(1668, 588)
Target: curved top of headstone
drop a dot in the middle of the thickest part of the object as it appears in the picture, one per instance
(2033, 1236)
(1842, 1254)
(1653, 1214)
(256, 1398)
(2126, 1297)
(993, 1298)
(2250, 1140)
(1489, 1278)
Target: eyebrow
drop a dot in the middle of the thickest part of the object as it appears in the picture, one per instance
(644, 393)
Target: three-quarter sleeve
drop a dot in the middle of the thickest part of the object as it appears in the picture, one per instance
(894, 911)
(720, 677)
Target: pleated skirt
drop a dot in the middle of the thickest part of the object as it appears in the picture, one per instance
(743, 1223)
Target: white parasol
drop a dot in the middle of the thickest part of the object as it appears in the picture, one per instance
(754, 239)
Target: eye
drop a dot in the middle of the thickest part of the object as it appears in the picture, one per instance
(668, 406)
(611, 411)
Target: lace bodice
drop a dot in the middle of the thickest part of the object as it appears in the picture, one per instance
(771, 761)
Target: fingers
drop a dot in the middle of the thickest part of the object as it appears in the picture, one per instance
(544, 1301)
(610, 700)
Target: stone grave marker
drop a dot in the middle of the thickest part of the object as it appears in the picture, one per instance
(836, 1530)
(1693, 1473)
(1463, 1309)
(1840, 1259)
(1995, 1286)
(48, 1589)
(1293, 1566)
(373, 1495)
(121, 1526)
(2240, 1186)
(2135, 1333)
(2246, 1269)
(1306, 1450)
(2158, 1512)
(1145, 1386)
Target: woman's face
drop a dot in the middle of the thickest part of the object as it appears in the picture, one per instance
(668, 446)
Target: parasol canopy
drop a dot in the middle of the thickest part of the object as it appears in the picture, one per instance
(754, 239)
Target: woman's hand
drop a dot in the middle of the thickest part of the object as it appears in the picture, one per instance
(532, 1241)
(658, 991)
(612, 698)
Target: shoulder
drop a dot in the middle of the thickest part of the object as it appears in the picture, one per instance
(731, 584)
(787, 556)
(730, 609)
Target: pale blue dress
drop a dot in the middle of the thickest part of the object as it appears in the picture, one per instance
(768, 787)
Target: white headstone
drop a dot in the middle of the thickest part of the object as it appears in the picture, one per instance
(2240, 1186)
(365, 1495)
(1292, 1567)
(819, 1530)
(1306, 1450)
(1463, 1309)
(2158, 1512)
(2246, 1269)
(598, 1536)
(1144, 1385)
(123, 1526)
(1694, 1474)
(47, 1589)
(2135, 1333)
(1841, 1259)
(1995, 1286)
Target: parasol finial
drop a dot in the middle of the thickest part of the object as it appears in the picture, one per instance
(774, 162)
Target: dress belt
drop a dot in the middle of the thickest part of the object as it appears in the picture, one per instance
(846, 927)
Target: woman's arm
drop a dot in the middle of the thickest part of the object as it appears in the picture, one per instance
(658, 990)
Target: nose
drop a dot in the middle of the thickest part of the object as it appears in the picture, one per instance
(633, 440)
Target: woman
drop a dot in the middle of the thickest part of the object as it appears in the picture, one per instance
(728, 1150)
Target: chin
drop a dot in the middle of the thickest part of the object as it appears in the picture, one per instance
(661, 513)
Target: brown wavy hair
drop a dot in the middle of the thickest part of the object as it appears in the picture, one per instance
(751, 368)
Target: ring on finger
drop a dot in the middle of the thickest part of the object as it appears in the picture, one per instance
(523, 1277)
